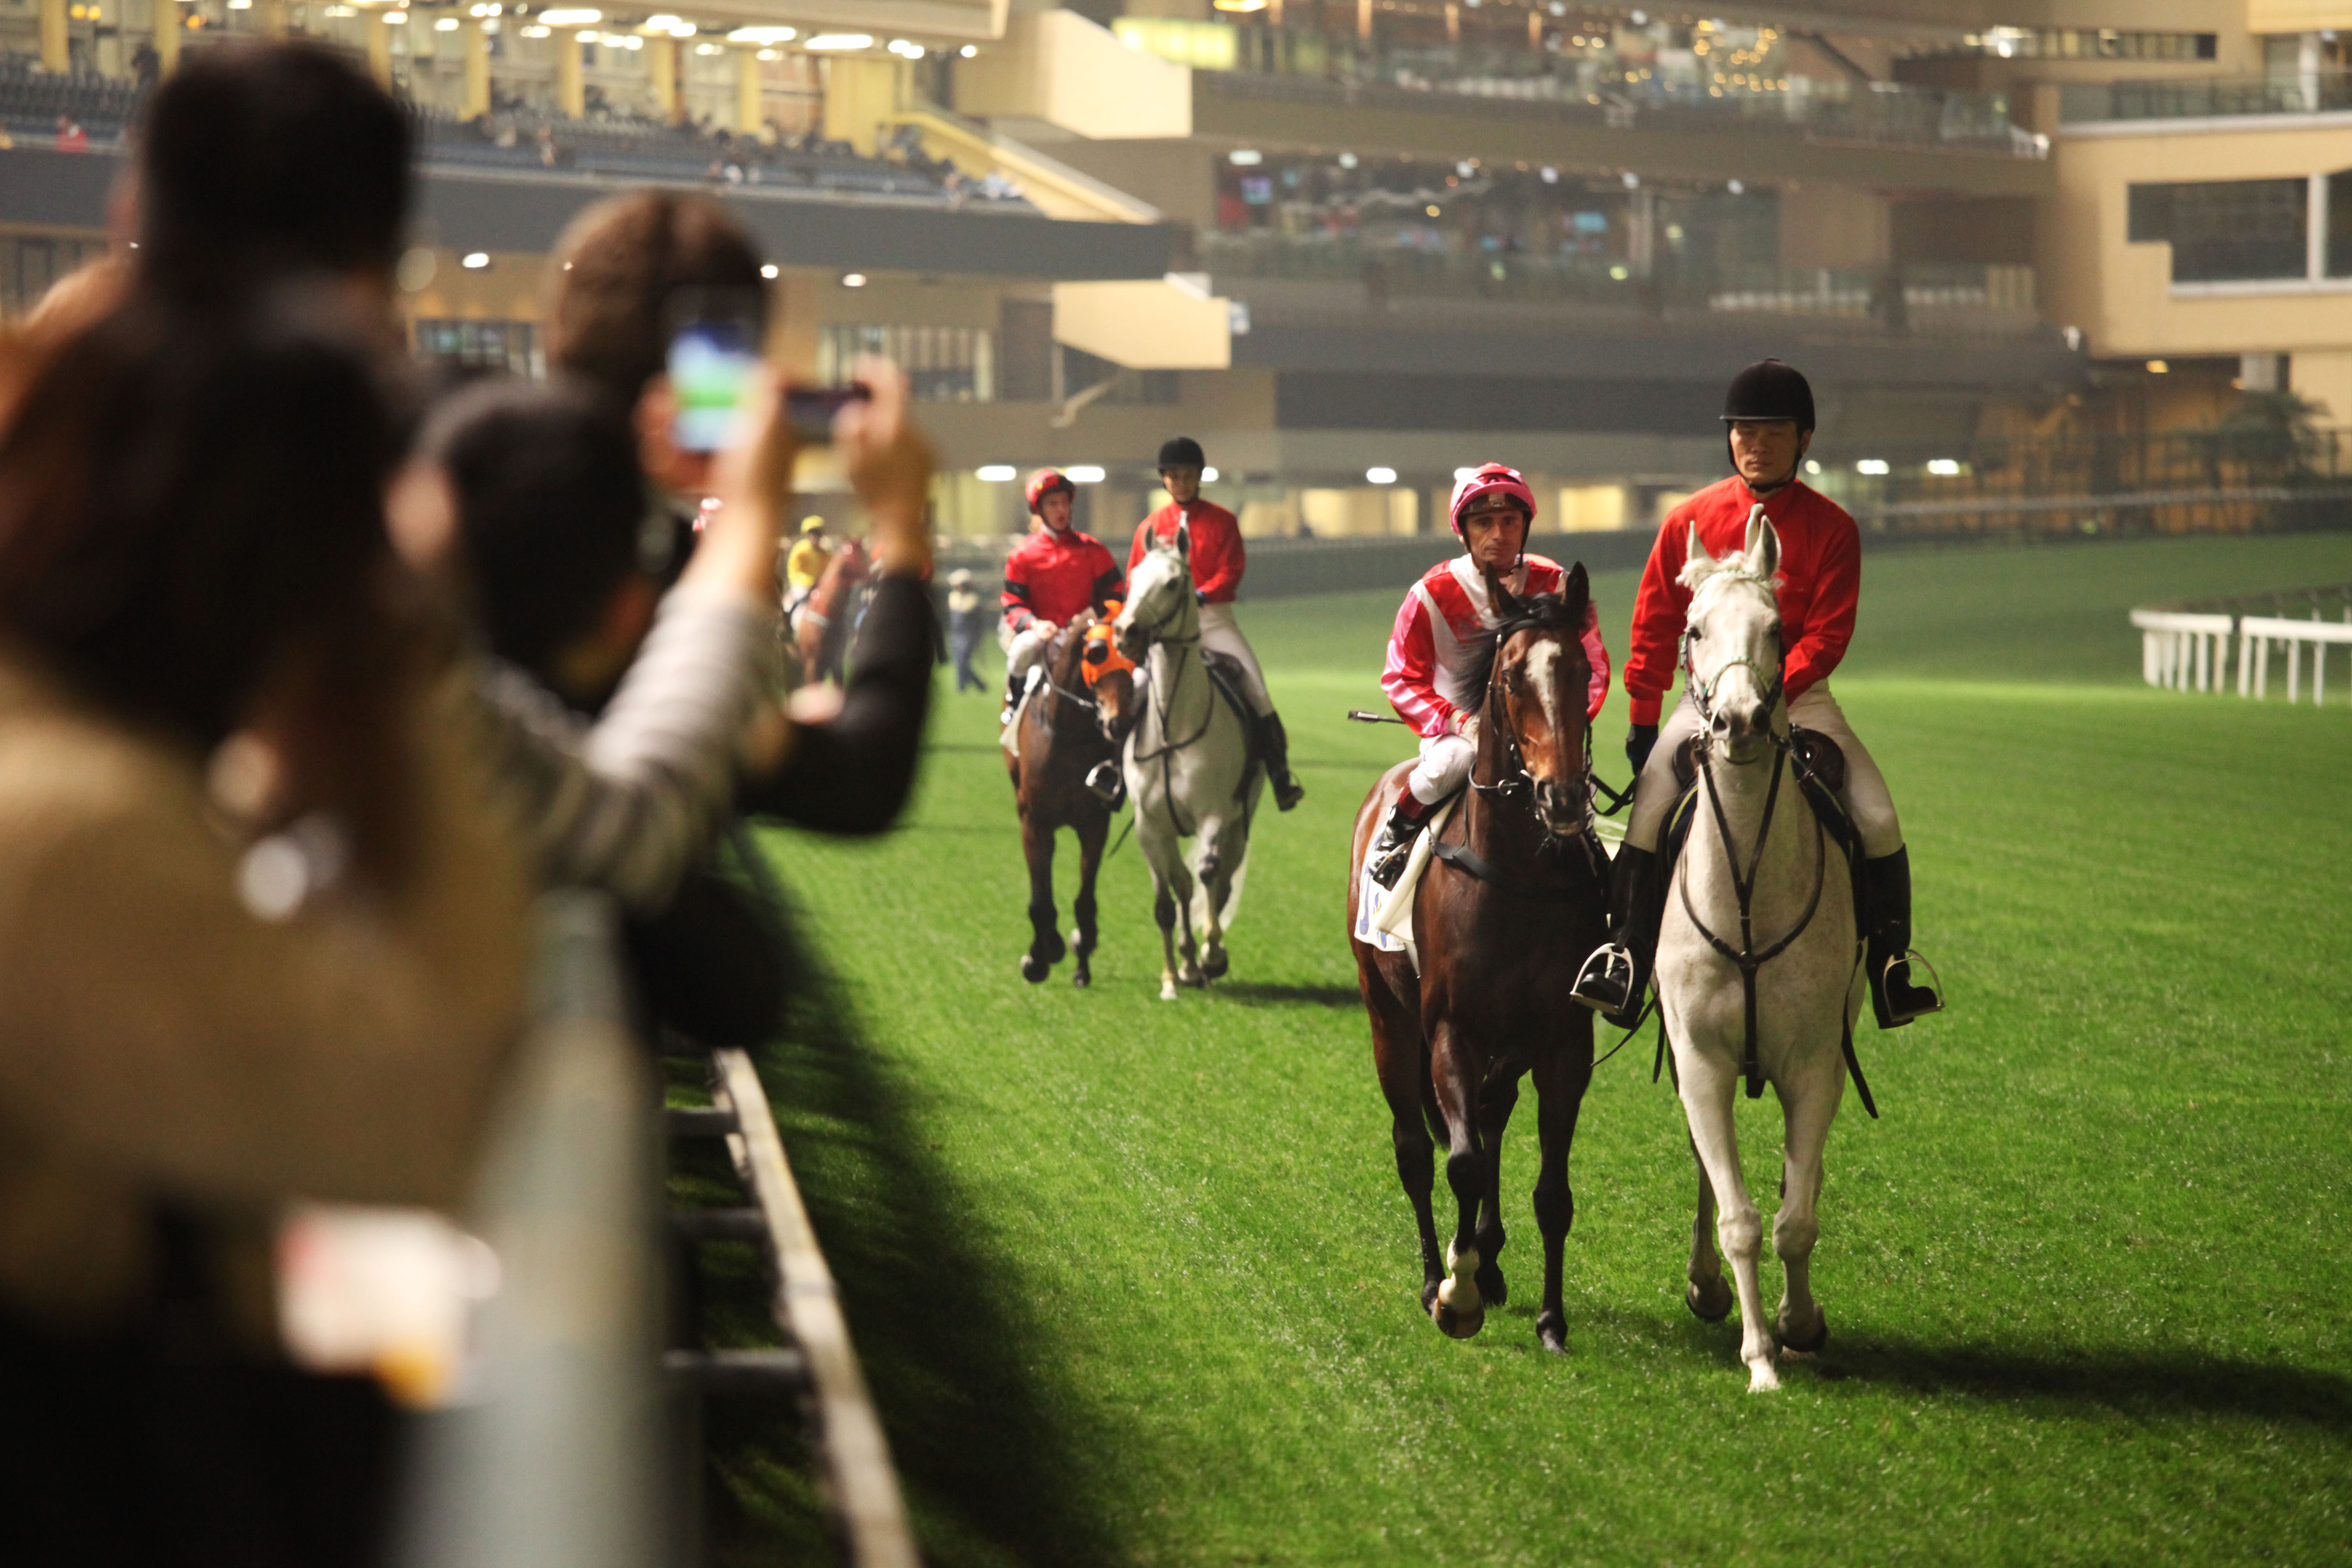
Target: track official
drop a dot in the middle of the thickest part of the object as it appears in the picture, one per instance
(1218, 560)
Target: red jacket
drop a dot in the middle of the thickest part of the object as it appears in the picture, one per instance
(1218, 559)
(1438, 644)
(1052, 577)
(1819, 584)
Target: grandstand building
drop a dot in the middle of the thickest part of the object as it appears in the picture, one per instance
(2026, 249)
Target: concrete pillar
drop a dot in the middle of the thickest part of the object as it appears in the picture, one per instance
(379, 49)
(167, 29)
(269, 15)
(749, 119)
(56, 56)
(860, 94)
(662, 65)
(571, 91)
(477, 71)
(2308, 55)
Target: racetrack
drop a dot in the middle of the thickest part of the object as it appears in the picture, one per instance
(1134, 1281)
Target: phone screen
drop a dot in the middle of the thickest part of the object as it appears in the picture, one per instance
(712, 363)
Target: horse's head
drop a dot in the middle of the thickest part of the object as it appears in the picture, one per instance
(1110, 677)
(1731, 642)
(1536, 693)
(1159, 596)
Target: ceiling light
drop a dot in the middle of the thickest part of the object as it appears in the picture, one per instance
(906, 48)
(708, 49)
(1245, 158)
(2158, 367)
(1947, 467)
(446, 24)
(967, 51)
(842, 41)
(1085, 473)
(1873, 466)
(770, 55)
(396, 18)
(1208, 476)
(762, 35)
(571, 17)
(1381, 476)
(1461, 474)
(1347, 160)
(476, 260)
(853, 279)
(769, 271)
(537, 32)
(994, 473)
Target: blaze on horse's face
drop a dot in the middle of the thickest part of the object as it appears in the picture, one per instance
(1542, 681)
(1154, 596)
(1733, 636)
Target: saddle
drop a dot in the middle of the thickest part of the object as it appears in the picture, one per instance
(1226, 678)
(1820, 767)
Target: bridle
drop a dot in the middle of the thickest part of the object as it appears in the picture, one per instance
(1702, 692)
(1159, 703)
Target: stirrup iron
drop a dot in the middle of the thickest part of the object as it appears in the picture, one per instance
(1889, 1017)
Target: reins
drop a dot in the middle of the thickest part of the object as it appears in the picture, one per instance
(1516, 783)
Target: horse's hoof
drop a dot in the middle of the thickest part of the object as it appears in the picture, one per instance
(1493, 1288)
(1457, 1325)
(1168, 991)
(1802, 1347)
(1761, 1378)
(1054, 952)
(1709, 1303)
(1552, 1327)
(1082, 979)
(1033, 969)
(1215, 965)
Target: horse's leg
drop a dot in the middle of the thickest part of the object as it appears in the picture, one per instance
(1561, 1078)
(1214, 874)
(1092, 830)
(1708, 1082)
(1165, 856)
(1182, 887)
(1402, 1061)
(1707, 1296)
(1045, 937)
(1460, 1310)
(1807, 1110)
(1498, 1098)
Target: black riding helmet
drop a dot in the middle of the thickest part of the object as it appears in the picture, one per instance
(1182, 452)
(1769, 389)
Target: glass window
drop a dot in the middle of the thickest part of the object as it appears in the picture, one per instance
(2339, 225)
(2226, 231)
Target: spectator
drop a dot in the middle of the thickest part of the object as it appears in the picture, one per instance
(967, 618)
(211, 699)
(146, 65)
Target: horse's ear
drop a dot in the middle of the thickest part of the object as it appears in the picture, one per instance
(1185, 542)
(1697, 565)
(1578, 589)
(1764, 551)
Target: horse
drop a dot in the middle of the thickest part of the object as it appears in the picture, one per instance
(1188, 766)
(821, 625)
(1780, 1005)
(1061, 740)
(1514, 894)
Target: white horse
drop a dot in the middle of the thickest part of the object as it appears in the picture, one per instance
(1188, 770)
(1759, 974)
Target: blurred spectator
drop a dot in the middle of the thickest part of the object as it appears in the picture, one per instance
(968, 620)
(258, 937)
(146, 65)
(71, 137)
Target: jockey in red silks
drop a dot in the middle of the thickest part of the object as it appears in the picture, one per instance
(1441, 649)
(1217, 561)
(1769, 422)
(1051, 577)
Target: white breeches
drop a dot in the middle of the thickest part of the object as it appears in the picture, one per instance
(1865, 795)
(1444, 768)
(1021, 649)
(1220, 633)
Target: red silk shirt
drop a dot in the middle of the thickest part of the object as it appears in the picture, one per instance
(1052, 577)
(1819, 584)
(1441, 636)
(1218, 560)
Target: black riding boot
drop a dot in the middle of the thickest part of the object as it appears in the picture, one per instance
(1893, 995)
(1616, 978)
(1392, 845)
(1274, 745)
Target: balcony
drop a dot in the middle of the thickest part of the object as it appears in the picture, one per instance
(2224, 98)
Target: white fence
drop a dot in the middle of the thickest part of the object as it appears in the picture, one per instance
(2191, 652)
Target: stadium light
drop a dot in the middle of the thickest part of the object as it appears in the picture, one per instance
(1085, 473)
(570, 17)
(1461, 474)
(853, 279)
(969, 51)
(994, 473)
(825, 41)
(764, 37)
(1208, 476)
(1944, 465)
(1245, 157)
(1381, 476)
(770, 271)
(1873, 466)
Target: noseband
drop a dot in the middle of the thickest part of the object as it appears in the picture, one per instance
(1516, 783)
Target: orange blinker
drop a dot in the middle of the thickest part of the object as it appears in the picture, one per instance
(1102, 656)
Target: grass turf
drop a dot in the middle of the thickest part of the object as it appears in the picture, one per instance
(1134, 1281)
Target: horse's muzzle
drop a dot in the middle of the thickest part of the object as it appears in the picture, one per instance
(1562, 809)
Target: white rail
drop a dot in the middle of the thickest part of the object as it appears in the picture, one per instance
(2190, 652)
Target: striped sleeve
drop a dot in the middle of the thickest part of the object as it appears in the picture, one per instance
(1410, 678)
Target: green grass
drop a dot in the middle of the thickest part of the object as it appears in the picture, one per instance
(1134, 1281)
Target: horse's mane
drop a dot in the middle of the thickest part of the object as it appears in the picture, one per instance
(1562, 612)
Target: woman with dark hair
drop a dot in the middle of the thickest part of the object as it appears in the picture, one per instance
(259, 938)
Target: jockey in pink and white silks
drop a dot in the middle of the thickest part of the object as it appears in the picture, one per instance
(1443, 645)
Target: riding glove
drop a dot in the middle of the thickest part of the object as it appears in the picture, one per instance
(1639, 740)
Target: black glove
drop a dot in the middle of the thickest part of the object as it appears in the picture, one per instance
(1639, 740)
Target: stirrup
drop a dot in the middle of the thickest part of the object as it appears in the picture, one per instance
(1889, 1017)
(1605, 983)
(1107, 785)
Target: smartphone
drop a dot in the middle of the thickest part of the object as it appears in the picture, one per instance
(811, 409)
(714, 361)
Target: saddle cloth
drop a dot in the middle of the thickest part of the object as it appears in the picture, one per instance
(1384, 916)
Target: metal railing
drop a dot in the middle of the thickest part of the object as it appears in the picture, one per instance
(2218, 97)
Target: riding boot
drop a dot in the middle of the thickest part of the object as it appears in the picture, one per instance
(1894, 995)
(1616, 978)
(1392, 845)
(1274, 745)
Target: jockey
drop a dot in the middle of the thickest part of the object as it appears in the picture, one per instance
(1768, 417)
(1218, 562)
(1439, 651)
(1050, 578)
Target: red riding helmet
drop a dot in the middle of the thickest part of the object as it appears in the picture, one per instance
(1489, 480)
(1045, 482)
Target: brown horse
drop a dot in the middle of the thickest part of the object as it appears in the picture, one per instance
(821, 625)
(1061, 739)
(1516, 894)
